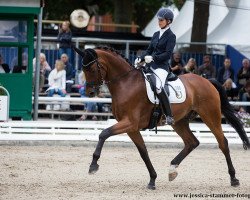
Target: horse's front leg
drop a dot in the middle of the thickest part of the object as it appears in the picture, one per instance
(120, 127)
(105, 134)
(139, 143)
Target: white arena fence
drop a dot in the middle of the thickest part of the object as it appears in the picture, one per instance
(81, 100)
(89, 131)
(104, 100)
(42, 100)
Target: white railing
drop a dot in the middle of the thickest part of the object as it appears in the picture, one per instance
(105, 100)
(81, 100)
(73, 99)
(89, 131)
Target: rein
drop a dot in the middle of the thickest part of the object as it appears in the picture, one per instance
(119, 77)
(99, 67)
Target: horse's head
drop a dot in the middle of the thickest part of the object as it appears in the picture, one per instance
(92, 70)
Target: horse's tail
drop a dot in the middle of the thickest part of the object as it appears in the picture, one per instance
(229, 113)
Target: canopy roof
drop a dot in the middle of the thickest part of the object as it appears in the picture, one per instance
(228, 22)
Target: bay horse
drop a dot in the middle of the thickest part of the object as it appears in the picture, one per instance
(132, 109)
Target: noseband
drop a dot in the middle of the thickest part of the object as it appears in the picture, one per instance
(87, 66)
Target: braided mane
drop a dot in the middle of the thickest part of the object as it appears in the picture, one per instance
(114, 51)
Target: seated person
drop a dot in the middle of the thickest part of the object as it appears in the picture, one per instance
(4, 68)
(20, 68)
(89, 106)
(231, 90)
(246, 97)
(207, 70)
(190, 67)
(243, 74)
(103, 93)
(57, 82)
(44, 70)
(69, 72)
(176, 64)
(225, 72)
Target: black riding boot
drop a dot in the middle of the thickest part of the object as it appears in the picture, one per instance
(163, 97)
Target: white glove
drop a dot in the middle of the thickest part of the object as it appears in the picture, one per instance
(137, 61)
(148, 59)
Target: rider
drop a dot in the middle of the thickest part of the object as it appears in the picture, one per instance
(158, 55)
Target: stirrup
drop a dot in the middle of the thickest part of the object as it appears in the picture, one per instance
(169, 120)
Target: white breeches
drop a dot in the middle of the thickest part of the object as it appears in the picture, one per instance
(160, 75)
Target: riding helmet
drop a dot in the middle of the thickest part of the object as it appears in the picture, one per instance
(165, 13)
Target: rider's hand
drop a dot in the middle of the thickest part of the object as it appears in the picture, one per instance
(148, 59)
(137, 61)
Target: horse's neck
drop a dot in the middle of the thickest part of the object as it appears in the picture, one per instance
(119, 75)
(117, 67)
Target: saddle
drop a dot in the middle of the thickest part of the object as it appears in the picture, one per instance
(176, 93)
(152, 80)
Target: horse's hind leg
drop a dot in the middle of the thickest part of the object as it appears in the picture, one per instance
(139, 143)
(190, 142)
(212, 119)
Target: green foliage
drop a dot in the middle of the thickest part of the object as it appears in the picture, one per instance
(2, 92)
(142, 12)
(179, 3)
(244, 117)
(61, 9)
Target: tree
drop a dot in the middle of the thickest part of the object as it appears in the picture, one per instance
(123, 11)
(200, 25)
(145, 10)
(179, 3)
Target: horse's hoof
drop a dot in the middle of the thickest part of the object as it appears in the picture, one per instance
(172, 176)
(235, 182)
(93, 169)
(151, 187)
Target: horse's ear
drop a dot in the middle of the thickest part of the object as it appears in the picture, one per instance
(81, 53)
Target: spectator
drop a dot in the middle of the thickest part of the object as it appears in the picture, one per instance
(246, 97)
(207, 70)
(69, 72)
(225, 72)
(81, 78)
(103, 93)
(16, 68)
(244, 73)
(231, 89)
(57, 83)
(89, 106)
(190, 67)
(64, 38)
(4, 68)
(44, 70)
(176, 63)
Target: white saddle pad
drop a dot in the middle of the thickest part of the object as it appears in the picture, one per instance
(177, 95)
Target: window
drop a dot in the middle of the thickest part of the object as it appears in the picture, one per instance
(14, 45)
(13, 61)
(13, 31)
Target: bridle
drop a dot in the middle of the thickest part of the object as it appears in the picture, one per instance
(98, 84)
(99, 66)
